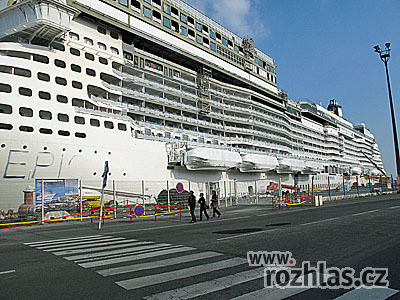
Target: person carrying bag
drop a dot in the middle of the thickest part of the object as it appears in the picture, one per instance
(214, 204)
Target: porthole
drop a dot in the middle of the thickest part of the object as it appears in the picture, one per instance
(63, 149)
(26, 128)
(44, 148)
(109, 174)
(109, 153)
(3, 145)
(45, 131)
(24, 146)
(95, 151)
(94, 174)
(80, 150)
(124, 174)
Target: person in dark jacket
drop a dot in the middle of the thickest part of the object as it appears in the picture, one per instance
(192, 205)
(214, 204)
(203, 207)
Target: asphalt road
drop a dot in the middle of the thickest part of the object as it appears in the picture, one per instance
(174, 259)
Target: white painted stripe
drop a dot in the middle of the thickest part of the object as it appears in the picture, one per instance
(392, 207)
(7, 272)
(366, 212)
(144, 281)
(136, 247)
(158, 264)
(69, 239)
(91, 245)
(203, 288)
(81, 243)
(363, 293)
(174, 249)
(244, 234)
(320, 221)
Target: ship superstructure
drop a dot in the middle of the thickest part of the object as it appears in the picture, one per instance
(160, 91)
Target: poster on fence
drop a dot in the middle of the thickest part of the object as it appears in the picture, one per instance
(60, 194)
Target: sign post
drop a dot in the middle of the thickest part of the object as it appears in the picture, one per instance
(105, 174)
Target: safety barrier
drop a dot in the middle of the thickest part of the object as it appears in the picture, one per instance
(292, 200)
(108, 213)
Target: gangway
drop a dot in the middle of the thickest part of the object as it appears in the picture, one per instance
(375, 165)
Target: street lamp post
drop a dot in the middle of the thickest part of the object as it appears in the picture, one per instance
(384, 54)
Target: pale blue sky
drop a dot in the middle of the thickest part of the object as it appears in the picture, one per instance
(323, 49)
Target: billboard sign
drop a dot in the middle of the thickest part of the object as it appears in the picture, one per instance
(57, 193)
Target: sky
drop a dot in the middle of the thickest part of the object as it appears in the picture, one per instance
(323, 50)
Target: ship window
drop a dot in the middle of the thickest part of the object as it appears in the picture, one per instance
(236, 48)
(158, 2)
(174, 11)
(218, 36)
(147, 12)
(199, 39)
(167, 8)
(167, 22)
(95, 122)
(175, 25)
(25, 91)
(136, 4)
(108, 124)
(77, 85)
(102, 46)
(43, 76)
(79, 120)
(88, 41)
(75, 68)
(61, 81)
(59, 63)
(114, 34)
(41, 58)
(74, 51)
(191, 33)
(101, 30)
(5, 126)
(5, 109)
(148, 1)
(230, 43)
(5, 69)
(156, 15)
(45, 131)
(63, 118)
(212, 34)
(90, 72)
(80, 135)
(74, 36)
(205, 28)
(26, 128)
(224, 41)
(190, 20)
(184, 30)
(128, 55)
(22, 72)
(45, 115)
(103, 60)
(5, 88)
(25, 112)
(58, 46)
(199, 27)
(62, 99)
(114, 50)
(63, 132)
(122, 126)
(206, 41)
(183, 18)
(78, 102)
(123, 2)
(89, 56)
(44, 95)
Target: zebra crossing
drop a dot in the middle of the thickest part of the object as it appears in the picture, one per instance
(151, 267)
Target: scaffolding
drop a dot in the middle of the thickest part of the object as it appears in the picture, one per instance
(203, 84)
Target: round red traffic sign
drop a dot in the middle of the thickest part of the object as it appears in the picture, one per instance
(179, 187)
(139, 210)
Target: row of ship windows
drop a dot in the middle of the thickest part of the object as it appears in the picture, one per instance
(6, 126)
(47, 115)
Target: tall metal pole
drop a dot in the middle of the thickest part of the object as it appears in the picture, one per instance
(396, 143)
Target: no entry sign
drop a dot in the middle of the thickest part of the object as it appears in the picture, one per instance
(179, 187)
(139, 210)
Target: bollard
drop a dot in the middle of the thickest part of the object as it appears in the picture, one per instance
(316, 200)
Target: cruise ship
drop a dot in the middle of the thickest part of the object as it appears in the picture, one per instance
(161, 92)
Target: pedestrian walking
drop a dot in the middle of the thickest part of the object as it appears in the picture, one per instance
(214, 204)
(192, 205)
(203, 207)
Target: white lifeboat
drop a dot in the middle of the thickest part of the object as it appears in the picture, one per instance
(258, 163)
(290, 165)
(211, 159)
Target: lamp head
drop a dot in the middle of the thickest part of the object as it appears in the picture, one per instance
(387, 45)
(377, 49)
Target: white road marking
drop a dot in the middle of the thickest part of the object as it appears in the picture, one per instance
(362, 293)
(68, 239)
(104, 262)
(75, 243)
(320, 221)
(246, 234)
(158, 264)
(7, 272)
(366, 212)
(144, 281)
(93, 245)
(203, 288)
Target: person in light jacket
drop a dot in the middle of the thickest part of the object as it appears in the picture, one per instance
(214, 204)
